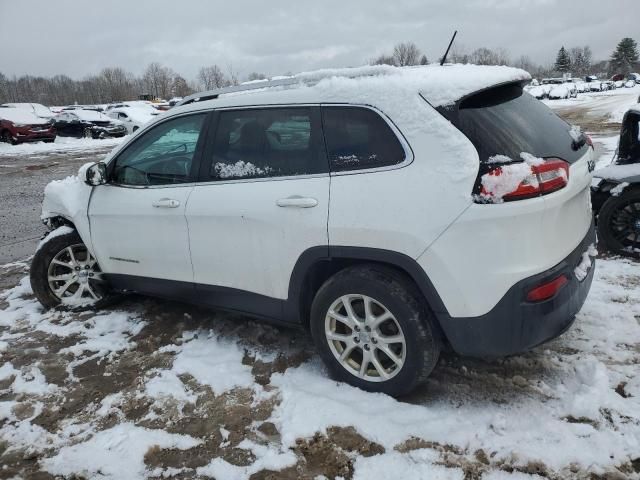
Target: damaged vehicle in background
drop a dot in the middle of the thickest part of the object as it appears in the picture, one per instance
(88, 124)
(616, 192)
(430, 240)
(19, 125)
(133, 118)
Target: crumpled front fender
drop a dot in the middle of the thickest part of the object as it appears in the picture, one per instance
(69, 199)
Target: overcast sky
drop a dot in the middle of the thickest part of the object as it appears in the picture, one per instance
(77, 38)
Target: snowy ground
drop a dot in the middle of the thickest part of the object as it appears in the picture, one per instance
(61, 144)
(154, 389)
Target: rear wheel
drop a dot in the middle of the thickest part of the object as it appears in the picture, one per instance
(64, 273)
(619, 223)
(86, 133)
(372, 331)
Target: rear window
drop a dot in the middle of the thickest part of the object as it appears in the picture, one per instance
(508, 121)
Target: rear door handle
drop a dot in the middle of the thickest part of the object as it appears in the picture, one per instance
(297, 201)
(166, 203)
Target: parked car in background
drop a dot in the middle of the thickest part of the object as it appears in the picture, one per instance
(619, 83)
(403, 259)
(133, 118)
(616, 195)
(630, 83)
(18, 125)
(608, 85)
(96, 108)
(37, 109)
(582, 87)
(595, 86)
(560, 92)
(539, 92)
(87, 124)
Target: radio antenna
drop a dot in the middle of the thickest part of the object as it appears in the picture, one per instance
(444, 58)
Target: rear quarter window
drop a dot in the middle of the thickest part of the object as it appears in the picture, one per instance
(359, 138)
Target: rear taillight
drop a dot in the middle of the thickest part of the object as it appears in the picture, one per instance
(547, 290)
(548, 176)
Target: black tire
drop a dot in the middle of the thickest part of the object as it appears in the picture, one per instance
(39, 273)
(616, 215)
(403, 301)
(7, 138)
(87, 133)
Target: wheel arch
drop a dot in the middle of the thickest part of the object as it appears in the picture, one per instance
(318, 264)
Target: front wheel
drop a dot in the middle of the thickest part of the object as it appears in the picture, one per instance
(64, 273)
(619, 223)
(372, 331)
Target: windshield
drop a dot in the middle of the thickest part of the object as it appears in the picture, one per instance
(507, 121)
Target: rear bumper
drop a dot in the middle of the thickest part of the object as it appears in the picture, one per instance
(515, 325)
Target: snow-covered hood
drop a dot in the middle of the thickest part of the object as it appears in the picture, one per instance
(21, 117)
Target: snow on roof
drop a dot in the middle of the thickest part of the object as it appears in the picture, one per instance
(19, 115)
(89, 115)
(439, 85)
(137, 114)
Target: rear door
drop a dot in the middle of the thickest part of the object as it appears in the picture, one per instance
(263, 201)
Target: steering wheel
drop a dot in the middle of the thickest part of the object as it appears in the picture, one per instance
(176, 166)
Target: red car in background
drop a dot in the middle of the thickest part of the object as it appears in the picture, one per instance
(17, 126)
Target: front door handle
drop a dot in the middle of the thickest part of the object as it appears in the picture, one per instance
(297, 201)
(166, 203)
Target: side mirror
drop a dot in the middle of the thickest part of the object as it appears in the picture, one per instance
(96, 174)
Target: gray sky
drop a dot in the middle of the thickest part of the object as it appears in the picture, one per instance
(80, 37)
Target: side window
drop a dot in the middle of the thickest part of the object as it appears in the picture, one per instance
(161, 156)
(122, 115)
(270, 142)
(359, 138)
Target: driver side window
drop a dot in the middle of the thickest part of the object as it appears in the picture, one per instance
(162, 156)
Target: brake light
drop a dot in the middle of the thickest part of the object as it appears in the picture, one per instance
(547, 290)
(523, 180)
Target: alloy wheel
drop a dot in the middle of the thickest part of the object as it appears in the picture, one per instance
(74, 276)
(365, 338)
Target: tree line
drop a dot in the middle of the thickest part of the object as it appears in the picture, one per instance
(114, 83)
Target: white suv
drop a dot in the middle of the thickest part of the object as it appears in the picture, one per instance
(393, 212)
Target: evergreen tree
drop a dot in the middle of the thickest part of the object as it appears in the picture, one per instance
(563, 61)
(424, 60)
(625, 57)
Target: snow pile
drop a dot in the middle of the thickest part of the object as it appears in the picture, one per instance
(582, 270)
(61, 144)
(575, 133)
(618, 172)
(240, 169)
(116, 453)
(618, 189)
(212, 361)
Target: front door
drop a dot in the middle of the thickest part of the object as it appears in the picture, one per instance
(138, 224)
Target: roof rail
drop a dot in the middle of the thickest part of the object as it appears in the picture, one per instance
(212, 94)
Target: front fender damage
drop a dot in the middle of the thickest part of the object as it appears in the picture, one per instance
(68, 199)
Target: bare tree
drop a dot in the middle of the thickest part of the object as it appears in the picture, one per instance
(383, 60)
(180, 87)
(406, 54)
(212, 77)
(157, 80)
(256, 76)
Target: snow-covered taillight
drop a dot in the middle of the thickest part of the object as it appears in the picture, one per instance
(522, 180)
